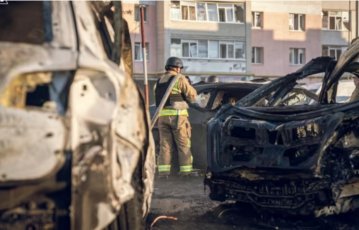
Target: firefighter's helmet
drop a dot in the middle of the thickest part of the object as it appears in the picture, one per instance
(174, 62)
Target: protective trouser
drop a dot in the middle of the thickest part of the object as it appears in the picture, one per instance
(174, 130)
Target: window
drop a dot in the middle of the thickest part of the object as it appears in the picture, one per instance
(223, 50)
(334, 20)
(189, 48)
(176, 49)
(222, 14)
(138, 51)
(213, 49)
(239, 50)
(239, 12)
(207, 11)
(325, 20)
(257, 55)
(226, 50)
(297, 22)
(175, 10)
(203, 99)
(230, 50)
(202, 48)
(333, 51)
(207, 49)
(188, 11)
(138, 13)
(225, 12)
(296, 56)
(212, 12)
(229, 14)
(201, 12)
(257, 19)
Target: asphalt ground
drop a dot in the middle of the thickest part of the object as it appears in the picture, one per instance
(183, 203)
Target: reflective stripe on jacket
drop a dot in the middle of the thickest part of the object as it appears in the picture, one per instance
(173, 112)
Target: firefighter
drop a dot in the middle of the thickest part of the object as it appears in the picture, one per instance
(173, 124)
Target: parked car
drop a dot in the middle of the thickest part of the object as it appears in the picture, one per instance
(76, 151)
(211, 98)
(281, 153)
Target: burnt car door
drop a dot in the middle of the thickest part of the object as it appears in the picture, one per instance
(198, 116)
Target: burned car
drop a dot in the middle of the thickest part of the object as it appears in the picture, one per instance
(285, 149)
(76, 150)
(211, 97)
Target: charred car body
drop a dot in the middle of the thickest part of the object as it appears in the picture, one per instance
(285, 149)
(71, 154)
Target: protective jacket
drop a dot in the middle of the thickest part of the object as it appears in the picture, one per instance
(175, 96)
(181, 93)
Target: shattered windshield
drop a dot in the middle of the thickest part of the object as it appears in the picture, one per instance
(16, 26)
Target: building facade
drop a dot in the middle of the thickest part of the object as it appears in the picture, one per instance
(281, 33)
(131, 13)
(339, 27)
(210, 37)
(239, 38)
(287, 34)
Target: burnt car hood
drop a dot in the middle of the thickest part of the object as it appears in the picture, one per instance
(285, 139)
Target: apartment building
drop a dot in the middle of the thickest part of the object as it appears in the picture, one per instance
(287, 34)
(210, 37)
(131, 12)
(338, 27)
(239, 38)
